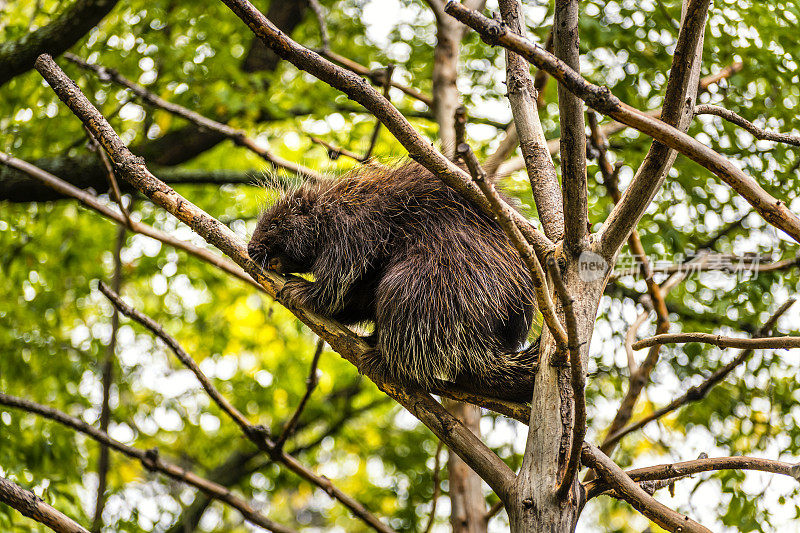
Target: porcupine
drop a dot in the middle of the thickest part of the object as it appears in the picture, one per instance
(449, 296)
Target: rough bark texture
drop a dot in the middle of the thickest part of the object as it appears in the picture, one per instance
(534, 506)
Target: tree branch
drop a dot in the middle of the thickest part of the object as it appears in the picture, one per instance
(635, 495)
(479, 457)
(573, 129)
(700, 391)
(758, 133)
(522, 95)
(719, 340)
(311, 384)
(30, 505)
(577, 380)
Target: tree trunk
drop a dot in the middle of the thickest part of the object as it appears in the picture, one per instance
(467, 504)
(535, 507)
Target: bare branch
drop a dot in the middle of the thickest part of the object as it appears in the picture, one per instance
(28, 504)
(311, 384)
(528, 132)
(635, 495)
(474, 452)
(719, 340)
(238, 136)
(553, 145)
(758, 133)
(573, 128)
(577, 380)
(107, 379)
(150, 459)
(700, 391)
(673, 471)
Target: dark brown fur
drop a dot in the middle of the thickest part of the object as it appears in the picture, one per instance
(449, 296)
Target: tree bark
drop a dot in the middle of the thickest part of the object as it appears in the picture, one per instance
(467, 504)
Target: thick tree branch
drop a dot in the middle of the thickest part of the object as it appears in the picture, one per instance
(676, 111)
(17, 57)
(635, 495)
(758, 133)
(30, 505)
(573, 129)
(522, 95)
(150, 459)
(600, 98)
(480, 458)
(553, 145)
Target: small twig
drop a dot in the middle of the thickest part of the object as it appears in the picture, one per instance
(719, 340)
(493, 510)
(335, 151)
(111, 177)
(700, 391)
(180, 353)
(437, 489)
(577, 380)
(311, 384)
(238, 136)
(387, 84)
(319, 12)
(631, 492)
(503, 216)
(150, 459)
(758, 133)
(375, 76)
(30, 505)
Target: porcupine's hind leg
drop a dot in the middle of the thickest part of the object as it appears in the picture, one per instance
(510, 379)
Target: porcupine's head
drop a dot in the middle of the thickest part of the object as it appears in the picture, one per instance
(286, 236)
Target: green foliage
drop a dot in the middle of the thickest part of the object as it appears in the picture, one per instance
(55, 326)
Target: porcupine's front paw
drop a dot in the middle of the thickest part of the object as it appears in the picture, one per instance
(296, 291)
